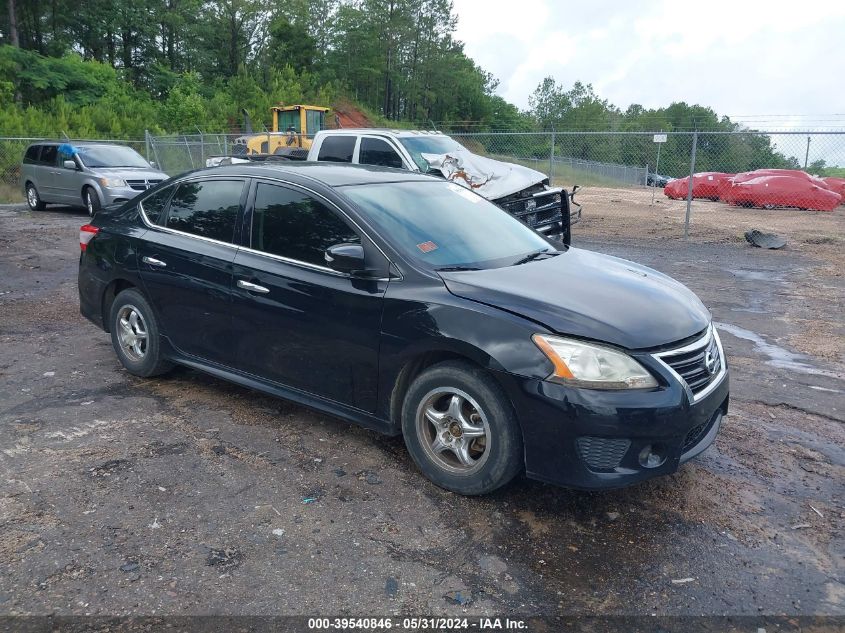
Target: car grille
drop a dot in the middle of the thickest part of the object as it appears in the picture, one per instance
(535, 210)
(691, 362)
(143, 185)
(602, 453)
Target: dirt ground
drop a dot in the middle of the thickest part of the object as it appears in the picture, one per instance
(187, 495)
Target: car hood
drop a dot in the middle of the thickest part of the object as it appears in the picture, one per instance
(590, 295)
(130, 173)
(490, 178)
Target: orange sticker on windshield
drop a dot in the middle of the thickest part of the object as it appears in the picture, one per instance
(427, 247)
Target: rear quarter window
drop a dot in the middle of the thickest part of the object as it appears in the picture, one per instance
(337, 149)
(153, 205)
(31, 156)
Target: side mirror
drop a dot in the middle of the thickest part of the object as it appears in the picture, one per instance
(345, 258)
(70, 164)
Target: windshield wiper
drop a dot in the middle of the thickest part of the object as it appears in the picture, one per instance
(534, 255)
(446, 269)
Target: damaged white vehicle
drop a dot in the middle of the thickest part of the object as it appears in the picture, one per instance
(523, 192)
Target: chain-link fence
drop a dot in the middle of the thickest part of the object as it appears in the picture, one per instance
(624, 172)
(617, 171)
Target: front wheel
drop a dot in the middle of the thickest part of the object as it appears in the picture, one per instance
(461, 430)
(91, 200)
(135, 335)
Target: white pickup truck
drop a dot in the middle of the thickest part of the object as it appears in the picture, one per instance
(523, 192)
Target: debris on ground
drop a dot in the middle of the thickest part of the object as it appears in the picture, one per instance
(800, 526)
(391, 587)
(816, 511)
(225, 559)
(130, 566)
(457, 597)
(682, 581)
(612, 516)
(369, 476)
(764, 240)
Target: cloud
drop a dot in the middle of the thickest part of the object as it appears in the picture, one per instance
(739, 57)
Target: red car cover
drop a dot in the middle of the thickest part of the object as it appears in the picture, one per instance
(676, 189)
(794, 173)
(781, 191)
(705, 184)
(835, 184)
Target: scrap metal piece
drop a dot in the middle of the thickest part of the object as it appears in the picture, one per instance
(764, 240)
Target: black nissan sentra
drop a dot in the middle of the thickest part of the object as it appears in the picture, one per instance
(411, 305)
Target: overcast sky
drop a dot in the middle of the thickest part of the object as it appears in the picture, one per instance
(740, 57)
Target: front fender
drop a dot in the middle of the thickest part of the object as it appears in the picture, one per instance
(419, 321)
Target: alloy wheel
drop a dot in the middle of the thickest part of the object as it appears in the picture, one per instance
(132, 333)
(453, 430)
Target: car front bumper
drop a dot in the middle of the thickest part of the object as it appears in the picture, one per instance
(117, 195)
(586, 438)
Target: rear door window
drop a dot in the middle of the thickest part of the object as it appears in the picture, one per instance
(376, 151)
(295, 225)
(49, 154)
(337, 149)
(206, 208)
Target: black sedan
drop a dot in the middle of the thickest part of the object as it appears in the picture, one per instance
(411, 306)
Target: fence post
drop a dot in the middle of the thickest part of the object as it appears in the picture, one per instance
(202, 147)
(155, 152)
(188, 147)
(689, 189)
(147, 144)
(552, 159)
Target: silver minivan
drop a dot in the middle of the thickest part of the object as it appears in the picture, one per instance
(89, 174)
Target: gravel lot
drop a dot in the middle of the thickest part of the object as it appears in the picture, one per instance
(187, 495)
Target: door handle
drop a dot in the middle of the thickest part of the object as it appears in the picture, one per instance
(152, 261)
(246, 285)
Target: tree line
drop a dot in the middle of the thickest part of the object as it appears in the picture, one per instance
(117, 67)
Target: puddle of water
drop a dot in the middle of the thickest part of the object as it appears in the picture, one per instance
(778, 357)
(756, 275)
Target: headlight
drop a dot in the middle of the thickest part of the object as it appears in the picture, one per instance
(113, 183)
(591, 366)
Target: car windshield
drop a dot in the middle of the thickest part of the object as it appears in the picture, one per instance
(110, 156)
(419, 145)
(444, 225)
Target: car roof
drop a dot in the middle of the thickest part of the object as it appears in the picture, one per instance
(79, 143)
(331, 174)
(384, 132)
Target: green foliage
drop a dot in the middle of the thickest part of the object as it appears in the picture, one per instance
(117, 67)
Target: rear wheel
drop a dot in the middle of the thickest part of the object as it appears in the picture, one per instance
(135, 335)
(33, 199)
(91, 200)
(461, 430)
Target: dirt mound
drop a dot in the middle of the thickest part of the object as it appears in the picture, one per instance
(349, 116)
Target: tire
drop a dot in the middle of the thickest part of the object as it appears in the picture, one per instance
(450, 457)
(33, 199)
(129, 317)
(91, 201)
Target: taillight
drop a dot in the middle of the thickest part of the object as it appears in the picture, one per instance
(86, 232)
